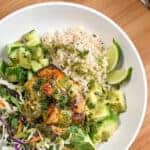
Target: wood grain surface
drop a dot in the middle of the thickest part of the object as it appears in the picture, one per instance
(134, 18)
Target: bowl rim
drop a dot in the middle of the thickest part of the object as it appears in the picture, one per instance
(98, 13)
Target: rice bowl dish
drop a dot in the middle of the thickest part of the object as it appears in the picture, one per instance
(61, 91)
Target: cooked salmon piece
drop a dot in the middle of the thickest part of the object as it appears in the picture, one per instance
(57, 130)
(51, 72)
(2, 105)
(46, 83)
(47, 89)
(53, 115)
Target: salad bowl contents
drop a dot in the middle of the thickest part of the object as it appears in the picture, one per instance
(61, 91)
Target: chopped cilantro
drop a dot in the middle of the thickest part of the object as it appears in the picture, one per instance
(83, 54)
(37, 84)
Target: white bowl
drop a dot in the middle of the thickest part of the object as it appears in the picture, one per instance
(47, 16)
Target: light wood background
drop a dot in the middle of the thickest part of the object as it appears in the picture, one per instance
(134, 18)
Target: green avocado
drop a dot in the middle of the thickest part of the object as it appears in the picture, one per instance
(100, 112)
(102, 131)
(116, 101)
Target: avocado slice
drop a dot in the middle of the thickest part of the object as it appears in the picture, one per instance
(100, 112)
(102, 131)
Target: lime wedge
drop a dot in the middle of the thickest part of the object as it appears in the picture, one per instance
(118, 76)
(113, 55)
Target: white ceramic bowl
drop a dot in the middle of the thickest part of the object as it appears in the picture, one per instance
(46, 16)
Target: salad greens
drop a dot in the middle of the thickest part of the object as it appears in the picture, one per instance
(49, 110)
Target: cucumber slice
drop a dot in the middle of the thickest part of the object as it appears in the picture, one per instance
(35, 65)
(37, 53)
(13, 46)
(114, 53)
(31, 39)
(13, 55)
(44, 62)
(25, 63)
(24, 58)
(31, 35)
(118, 76)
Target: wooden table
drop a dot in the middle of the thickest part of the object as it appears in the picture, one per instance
(134, 18)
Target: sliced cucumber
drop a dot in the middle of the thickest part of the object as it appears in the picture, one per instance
(37, 53)
(44, 62)
(35, 65)
(113, 55)
(118, 76)
(31, 35)
(31, 39)
(11, 47)
(25, 63)
(24, 58)
(13, 55)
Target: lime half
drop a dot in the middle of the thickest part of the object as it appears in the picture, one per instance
(118, 76)
(113, 55)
